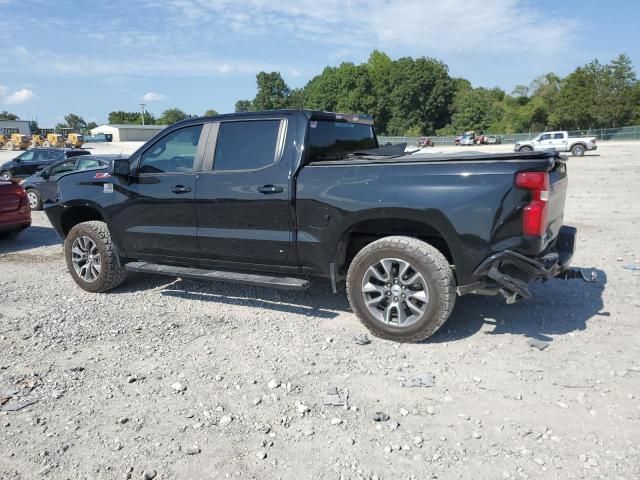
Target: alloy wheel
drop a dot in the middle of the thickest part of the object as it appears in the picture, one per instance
(395, 292)
(86, 259)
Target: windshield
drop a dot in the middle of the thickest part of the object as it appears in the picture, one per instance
(336, 140)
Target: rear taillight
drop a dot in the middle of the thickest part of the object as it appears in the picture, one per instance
(535, 214)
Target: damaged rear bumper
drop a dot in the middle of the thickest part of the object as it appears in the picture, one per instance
(508, 272)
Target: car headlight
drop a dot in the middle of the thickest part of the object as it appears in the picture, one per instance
(22, 181)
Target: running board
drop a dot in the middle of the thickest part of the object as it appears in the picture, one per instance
(286, 283)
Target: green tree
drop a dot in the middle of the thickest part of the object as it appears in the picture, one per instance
(4, 115)
(171, 116)
(243, 106)
(273, 92)
(130, 118)
(211, 113)
(347, 88)
(33, 126)
(75, 122)
(421, 92)
(91, 126)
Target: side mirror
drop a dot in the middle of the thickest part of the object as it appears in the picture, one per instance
(45, 174)
(120, 167)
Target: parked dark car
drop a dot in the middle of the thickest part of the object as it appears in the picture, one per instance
(34, 160)
(275, 198)
(15, 214)
(42, 186)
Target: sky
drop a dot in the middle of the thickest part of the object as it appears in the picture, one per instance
(94, 57)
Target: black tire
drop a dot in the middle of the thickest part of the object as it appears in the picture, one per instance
(6, 175)
(525, 149)
(35, 201)
(578, 150)
(426, 260)
(111, 273)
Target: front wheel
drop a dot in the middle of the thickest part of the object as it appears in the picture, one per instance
(401, 288)
(525, 149)
(92, 259)
(35, 202)
(6, 175)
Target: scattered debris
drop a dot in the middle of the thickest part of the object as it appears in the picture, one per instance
(14, 406)
(192, 450)
(334, 398)
(178, 387)
(380, 417)
(273, 383)
(362, 339)
(419, 380)
(535, 343)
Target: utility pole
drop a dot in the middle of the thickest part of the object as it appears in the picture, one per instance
(142, 105)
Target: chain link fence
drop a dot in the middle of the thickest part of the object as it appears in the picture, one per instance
(622, 133)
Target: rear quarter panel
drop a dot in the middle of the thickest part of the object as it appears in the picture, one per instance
(472, 204)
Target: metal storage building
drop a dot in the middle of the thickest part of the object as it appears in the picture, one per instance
(129, 133)
(23, 126)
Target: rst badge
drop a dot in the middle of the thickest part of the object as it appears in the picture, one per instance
(100, 175)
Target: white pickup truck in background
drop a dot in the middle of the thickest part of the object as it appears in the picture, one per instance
(558, 141)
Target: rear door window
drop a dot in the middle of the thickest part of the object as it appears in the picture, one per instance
(336, 140)
(246, 145)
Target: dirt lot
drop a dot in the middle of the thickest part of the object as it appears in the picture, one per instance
(184, 379)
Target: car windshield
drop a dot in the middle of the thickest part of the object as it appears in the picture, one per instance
(336, 140)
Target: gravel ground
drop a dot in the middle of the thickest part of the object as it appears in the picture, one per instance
(183, 379)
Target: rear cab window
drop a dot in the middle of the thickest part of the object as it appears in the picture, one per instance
(335, 140)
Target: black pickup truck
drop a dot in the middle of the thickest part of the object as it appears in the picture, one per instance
(276, 198)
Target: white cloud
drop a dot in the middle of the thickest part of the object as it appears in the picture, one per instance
(3, 89)
(20, 96)
(490, 27)
(153, 97)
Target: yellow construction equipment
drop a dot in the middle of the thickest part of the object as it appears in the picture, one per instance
(74, 140)
(53, 140)
(36, 140)
(17, 141)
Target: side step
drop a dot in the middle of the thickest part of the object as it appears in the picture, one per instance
(285, 283)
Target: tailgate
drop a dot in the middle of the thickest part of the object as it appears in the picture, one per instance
(558, 182)
(10, 196)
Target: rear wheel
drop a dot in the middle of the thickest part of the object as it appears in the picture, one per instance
(35, 202)
(578, 150)
(401, 288)
(10, 146)
(46, 144)
(6, 175)
(92, 258)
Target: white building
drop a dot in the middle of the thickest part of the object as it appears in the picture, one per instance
(129, 133)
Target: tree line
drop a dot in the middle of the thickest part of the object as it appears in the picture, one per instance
(418, 97)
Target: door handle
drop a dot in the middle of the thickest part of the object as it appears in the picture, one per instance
(267, 189)
(180, 189)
